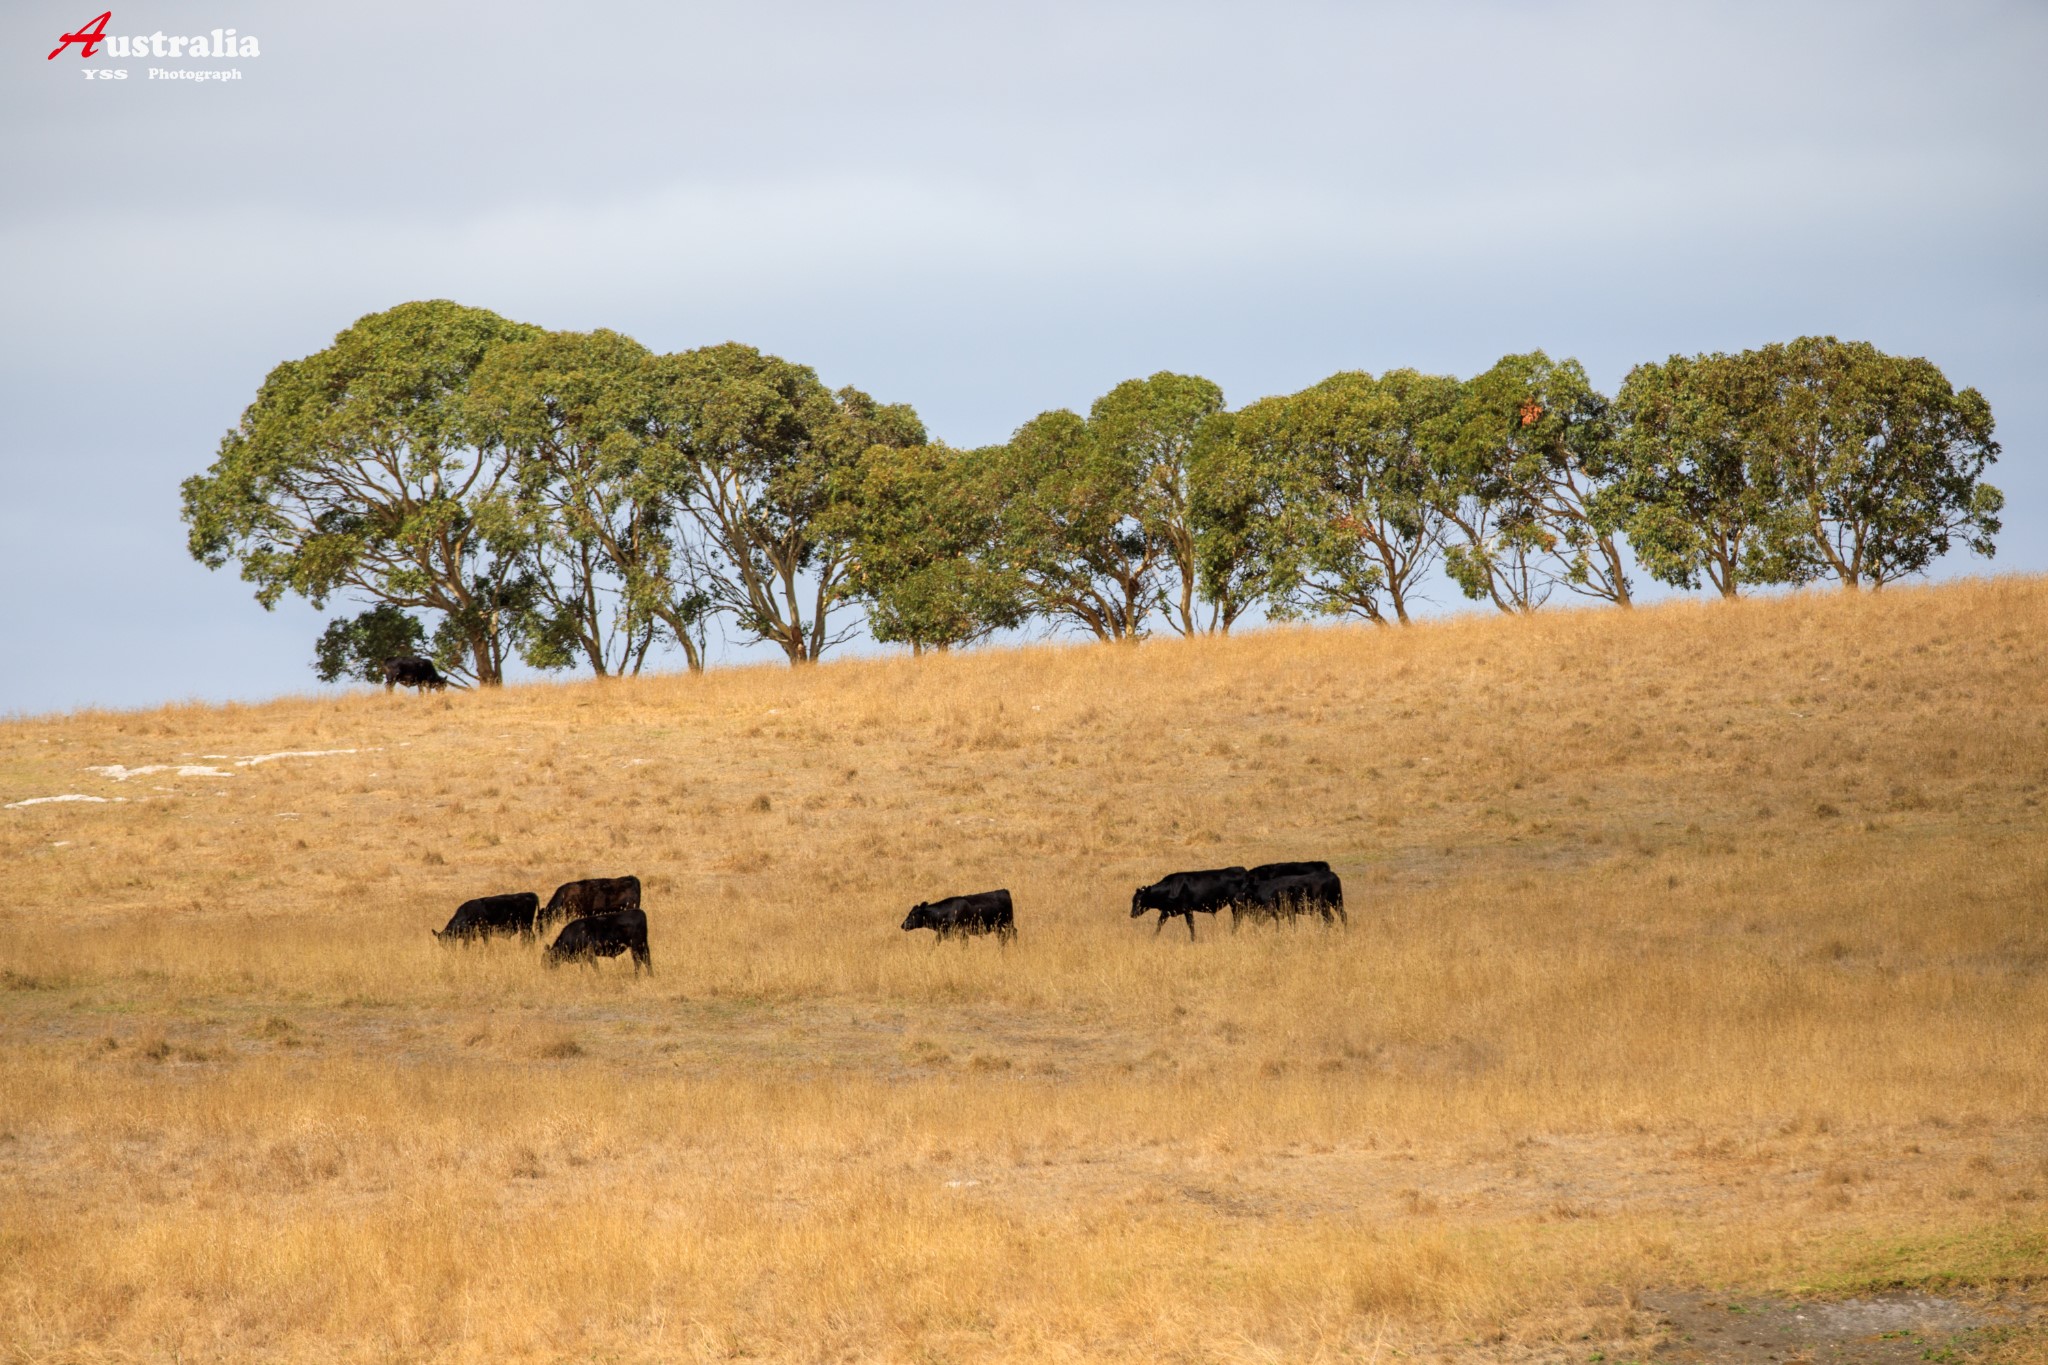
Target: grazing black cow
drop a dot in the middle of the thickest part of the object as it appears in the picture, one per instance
(1189, 893)
(487, 915)
(1290, 894)
(414, 672)
(593, 896)
(1268, 871)
(984, 912)
(602, 935)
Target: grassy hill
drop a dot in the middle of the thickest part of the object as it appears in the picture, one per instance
(1694, 946)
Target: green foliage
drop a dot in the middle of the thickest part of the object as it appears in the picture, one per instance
(569, 407)
(1071, 527)
(1881, 461)
(1793, 462)
(354, 470)
(1235, 509)
(357, 646)
(1357, 496)
(1533, 496)
(757, 452)
(1149, 430)
(1705, 497)
(923, 526)
(1137, 508)
(490, 488)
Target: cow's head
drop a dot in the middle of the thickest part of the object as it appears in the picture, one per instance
(1140, 902)
(920, 917)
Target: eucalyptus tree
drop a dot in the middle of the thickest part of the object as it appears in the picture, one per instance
(756, 452)
(1532, 496)
(1153, 427)
(1234, 508)
(1071, 527)
(354, 472)
(923, 525)
(1706, 500)
(571, 408)
(1880, 458)
(1359, 492)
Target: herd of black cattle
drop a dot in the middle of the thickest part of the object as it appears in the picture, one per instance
(605, 919)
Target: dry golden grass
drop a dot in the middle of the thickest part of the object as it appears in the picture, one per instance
(1700, 945)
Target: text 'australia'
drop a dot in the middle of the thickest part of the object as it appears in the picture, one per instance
(221, 42)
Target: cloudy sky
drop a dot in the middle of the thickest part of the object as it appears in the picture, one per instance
(984, 211)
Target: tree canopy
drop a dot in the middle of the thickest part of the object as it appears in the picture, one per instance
(1880, 460)
(491, 491)
(757, 452)
(355, 471)
(923, 527)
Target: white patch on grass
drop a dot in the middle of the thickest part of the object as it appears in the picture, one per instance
(121, 774)
(68, 796)
(255, 759)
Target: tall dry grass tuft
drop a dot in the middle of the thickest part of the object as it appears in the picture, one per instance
(1702, 943)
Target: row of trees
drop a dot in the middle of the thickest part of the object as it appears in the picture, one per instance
(571, 498)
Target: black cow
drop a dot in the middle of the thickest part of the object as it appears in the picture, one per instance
(602, 935)
(1268, 871)
(487, 915)
(413, 672)
(984, 912)
(593, 896)
(1190, 893)
(1286, 895)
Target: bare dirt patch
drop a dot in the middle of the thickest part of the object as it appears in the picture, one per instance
(1881, 1329)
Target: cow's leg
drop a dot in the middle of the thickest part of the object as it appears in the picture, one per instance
(1190, 917)
(1236, 915)
(1161, 925)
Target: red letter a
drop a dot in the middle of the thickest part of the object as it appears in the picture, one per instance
(92, 35)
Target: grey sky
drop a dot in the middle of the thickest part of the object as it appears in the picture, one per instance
(983, 211)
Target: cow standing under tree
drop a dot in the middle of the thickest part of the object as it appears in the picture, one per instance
(414, 672)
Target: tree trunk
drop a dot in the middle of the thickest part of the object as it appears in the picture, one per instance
(1614, 568)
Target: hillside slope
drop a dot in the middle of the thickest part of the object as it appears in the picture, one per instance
(1700, 944)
